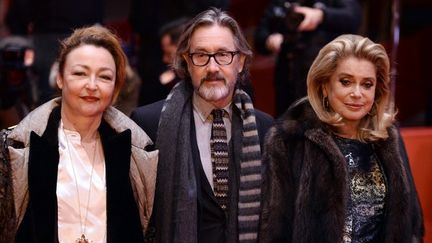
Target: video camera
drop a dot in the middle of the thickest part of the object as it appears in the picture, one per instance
(13, 74)
(286, 21)
(288, 17)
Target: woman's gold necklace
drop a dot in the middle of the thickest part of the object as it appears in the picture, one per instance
(83, 238)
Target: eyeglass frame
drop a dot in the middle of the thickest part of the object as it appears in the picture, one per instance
(233, 54)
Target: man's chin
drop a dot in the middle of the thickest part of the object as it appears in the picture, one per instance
(213, 94)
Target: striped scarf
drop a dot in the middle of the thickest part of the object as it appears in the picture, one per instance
(249, 204)
(176, 190)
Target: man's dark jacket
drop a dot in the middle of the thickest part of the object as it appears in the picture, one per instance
(217, 227)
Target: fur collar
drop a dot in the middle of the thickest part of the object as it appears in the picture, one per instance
(300, 136)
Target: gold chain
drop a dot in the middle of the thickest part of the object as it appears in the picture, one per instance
(82, 239)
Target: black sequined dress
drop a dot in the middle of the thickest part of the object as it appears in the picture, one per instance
(367, 191)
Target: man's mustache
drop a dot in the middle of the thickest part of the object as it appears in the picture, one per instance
(212, 77)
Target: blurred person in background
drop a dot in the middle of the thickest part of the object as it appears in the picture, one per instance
(17, 82)
(295, 31)
(169, 37)
(128, 97)
(47, 22)
(146, 19)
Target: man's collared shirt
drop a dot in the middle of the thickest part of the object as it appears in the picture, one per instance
(203, 126)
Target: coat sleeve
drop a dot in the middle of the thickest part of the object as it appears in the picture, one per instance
(7, 206)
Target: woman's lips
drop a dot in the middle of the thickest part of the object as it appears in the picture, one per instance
(90, 98)
(354, 106)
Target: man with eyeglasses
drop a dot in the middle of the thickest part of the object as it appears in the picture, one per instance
(209, 137)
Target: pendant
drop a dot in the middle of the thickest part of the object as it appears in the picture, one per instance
(82, 239)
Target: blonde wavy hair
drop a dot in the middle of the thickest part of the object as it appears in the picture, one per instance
(373, 126)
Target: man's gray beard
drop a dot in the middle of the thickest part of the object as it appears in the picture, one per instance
(213, 93)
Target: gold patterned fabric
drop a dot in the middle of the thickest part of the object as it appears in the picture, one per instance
(367, 191)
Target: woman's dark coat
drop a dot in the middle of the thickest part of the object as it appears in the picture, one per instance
(306, 190)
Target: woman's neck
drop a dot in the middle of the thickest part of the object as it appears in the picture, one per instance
(86, 127)
(347, 130)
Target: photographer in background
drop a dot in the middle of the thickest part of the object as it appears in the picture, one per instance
(47, 22)
(295, 31)
(17, 94)
(169, 37)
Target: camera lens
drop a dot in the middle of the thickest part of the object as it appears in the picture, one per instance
(12, 57)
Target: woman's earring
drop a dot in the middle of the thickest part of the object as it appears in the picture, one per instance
(326, 103)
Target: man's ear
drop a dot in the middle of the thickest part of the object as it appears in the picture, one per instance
(242, 62)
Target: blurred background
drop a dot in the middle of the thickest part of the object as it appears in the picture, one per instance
(404, 27)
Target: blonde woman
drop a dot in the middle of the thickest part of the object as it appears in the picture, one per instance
(338, 170)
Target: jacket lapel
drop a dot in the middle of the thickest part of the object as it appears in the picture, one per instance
(123, 223)
(326, 189)
(42, 178)
(397, 201)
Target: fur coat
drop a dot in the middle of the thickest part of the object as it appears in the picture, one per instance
(14, 169)
(305, 191)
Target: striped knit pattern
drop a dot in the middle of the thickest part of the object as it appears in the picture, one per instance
(219, 158)
(249, 204)
(250, 171)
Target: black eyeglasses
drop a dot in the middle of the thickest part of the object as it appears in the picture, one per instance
(201, 59)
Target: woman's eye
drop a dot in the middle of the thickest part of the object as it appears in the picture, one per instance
(345, 82)
(368, 85)
(106, 77)
(78, 73)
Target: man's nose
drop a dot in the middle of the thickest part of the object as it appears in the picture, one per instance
(213, 66)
